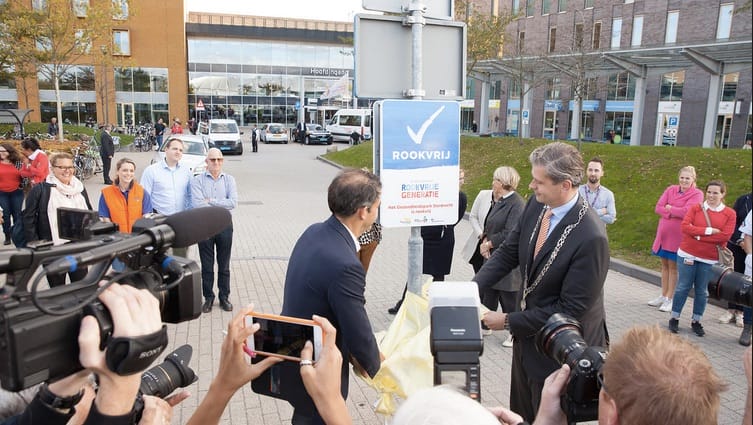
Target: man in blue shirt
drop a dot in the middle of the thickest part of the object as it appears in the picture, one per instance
(168, 184)
(215, 188)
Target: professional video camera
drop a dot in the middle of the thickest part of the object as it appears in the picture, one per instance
(561, 339)
(39, 329)
(728, 285)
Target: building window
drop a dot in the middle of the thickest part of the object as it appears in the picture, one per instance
(587, 90)
(73, 112)
(635, 41)
(671, 86)
(588, 4)
(39, 4)
(616, 32)
(546, 6)
(621, 87)
(75, 78)
(120, 9)
(553, 88)
(80, 8)
(562, 5)
(724, 27)
(621, 123)
(529, 8)
(521, 41)
(515, 7)
(597, 36)
(121, 40)
(514, 90)
(672, 20)
(729, 90)
(578, 40)
(552, 39)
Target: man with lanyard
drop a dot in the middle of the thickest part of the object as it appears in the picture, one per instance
(598, 197)
(215, 188)
(168, 184)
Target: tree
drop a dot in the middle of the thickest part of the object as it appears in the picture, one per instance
(54, 35)
(485, 32)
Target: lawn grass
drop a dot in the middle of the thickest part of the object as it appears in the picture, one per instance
(636, 174)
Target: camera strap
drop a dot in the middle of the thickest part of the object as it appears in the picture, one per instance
(126, 356)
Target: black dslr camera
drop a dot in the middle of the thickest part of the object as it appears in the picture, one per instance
(728, 285)
(561, 339)
(39, 329)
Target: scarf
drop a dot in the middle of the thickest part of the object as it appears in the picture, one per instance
(63, 195)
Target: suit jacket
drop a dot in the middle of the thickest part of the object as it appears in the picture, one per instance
(325, 277)
(499, 223)
(573, 285)
(107, 148)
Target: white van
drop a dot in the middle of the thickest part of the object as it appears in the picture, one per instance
(347, 121)
(222, 134)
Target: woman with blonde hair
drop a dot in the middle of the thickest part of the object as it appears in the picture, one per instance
(672, 206)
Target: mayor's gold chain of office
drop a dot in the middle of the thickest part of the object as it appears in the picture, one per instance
(553, 255)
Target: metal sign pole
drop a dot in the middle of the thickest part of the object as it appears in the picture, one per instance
(415, 242)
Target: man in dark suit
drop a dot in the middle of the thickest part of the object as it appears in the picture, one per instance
(106, 151)
(566, 275)
(326, 278)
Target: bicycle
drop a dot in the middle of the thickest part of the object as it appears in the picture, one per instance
(85, 165)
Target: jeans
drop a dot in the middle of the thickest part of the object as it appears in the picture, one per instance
(11, 204)
(158, 140)
(691, 275)
(224, 243)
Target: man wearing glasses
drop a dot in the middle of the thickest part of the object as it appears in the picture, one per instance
(215, 188)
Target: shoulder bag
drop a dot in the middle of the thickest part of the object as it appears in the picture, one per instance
(725, 256)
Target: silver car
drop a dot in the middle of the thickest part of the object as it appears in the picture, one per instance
(274, 133)
(194, 152)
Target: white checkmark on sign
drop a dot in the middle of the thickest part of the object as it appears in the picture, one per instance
(419, 137)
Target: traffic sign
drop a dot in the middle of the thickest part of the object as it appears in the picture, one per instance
(419, 160)
(199, 105)
(383, 58)
(438, 9)
(525, 114)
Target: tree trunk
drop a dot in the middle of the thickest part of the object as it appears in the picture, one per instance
(56, 79)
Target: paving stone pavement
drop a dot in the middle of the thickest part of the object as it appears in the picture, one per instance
(282, 190)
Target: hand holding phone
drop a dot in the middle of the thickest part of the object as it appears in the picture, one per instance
(282, 336)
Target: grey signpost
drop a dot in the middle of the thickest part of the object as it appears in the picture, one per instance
(452, 75)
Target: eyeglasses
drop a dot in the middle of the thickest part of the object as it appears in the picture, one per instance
(216, 159)
(3, 150)
(64, 168)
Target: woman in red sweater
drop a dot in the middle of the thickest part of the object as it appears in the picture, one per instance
(37, 167)
(11, 194)
(697, 252)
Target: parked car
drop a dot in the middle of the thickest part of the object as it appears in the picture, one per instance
(274, 133)
(194, 152)
(315, 134)
(222, 134)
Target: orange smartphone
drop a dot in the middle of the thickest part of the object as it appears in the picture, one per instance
(283, 336)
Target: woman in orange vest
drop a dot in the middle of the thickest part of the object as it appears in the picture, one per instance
(124, 201)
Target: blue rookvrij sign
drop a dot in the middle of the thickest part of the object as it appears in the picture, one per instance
(419, 163)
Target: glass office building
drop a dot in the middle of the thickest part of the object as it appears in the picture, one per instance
(257, 81)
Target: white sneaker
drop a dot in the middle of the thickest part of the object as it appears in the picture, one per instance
(666, 306)
(508, 342)
(727, 317)
(486, 332)
(739, 319)
(656, 302)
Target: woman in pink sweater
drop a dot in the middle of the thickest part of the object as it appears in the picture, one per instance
(704, 227)
(671, 207)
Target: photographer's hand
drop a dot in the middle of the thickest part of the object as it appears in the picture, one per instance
(234, 371)
(506, 416)
(135, 312)
(550, 412)
(322, 380)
